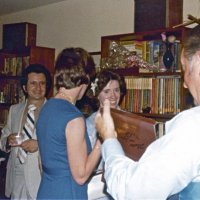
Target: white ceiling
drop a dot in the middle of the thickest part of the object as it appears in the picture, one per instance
(11, 6)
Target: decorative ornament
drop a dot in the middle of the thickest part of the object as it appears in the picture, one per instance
(94, 85)
(120, 57)
(191, 20)
(168, 58)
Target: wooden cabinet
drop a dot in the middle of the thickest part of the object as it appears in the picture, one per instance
(157, 14)
(12, 62)
(153, 93)
(19, 35)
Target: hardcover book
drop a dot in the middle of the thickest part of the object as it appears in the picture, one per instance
(134, 132)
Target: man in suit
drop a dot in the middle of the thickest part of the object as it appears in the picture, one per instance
(23, 178)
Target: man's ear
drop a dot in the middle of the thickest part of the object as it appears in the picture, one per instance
(195, 64)
(24, 88)
(198, 55)
(197, 61)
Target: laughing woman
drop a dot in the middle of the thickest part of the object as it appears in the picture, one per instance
(111, 86)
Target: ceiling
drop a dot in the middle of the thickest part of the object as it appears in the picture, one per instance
(11, 6)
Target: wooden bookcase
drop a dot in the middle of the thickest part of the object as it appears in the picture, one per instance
(19, 50)
(161, 91)
(12, 62)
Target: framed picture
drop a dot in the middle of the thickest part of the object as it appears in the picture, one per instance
(97, 58)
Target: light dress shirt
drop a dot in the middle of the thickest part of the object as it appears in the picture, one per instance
(168, 165)
(92, 132)
(96, 187)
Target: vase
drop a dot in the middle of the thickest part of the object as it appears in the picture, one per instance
(168, 57)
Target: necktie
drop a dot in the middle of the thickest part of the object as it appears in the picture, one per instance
(27, 131)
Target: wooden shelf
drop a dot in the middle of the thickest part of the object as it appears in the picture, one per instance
(141, 36)
(5, 76)
(134, 71)
(158, 116)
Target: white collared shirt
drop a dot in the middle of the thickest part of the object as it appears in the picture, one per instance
(168, 165)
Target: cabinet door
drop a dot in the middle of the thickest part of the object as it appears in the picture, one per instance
(19, 35)
(44, 56)
(157, 14)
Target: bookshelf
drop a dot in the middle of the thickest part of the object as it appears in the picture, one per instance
(12, 62)
(152, 92)
(19, 50)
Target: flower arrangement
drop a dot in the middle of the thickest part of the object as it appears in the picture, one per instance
(120, 57)
(94, 85)
(170, 39)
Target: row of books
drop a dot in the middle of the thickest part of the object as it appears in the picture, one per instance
(157, 95)
(14, 65)
(160, 129)
(152, 51)
(11, 92)
(3, 117)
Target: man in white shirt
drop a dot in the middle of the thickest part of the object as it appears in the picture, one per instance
(171, 164)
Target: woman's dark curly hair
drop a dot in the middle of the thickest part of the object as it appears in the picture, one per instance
(104, 77)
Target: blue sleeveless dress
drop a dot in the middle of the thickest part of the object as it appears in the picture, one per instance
(57, 181)
(191, 192)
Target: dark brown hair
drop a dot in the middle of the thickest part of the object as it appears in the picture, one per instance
(73, 67)
(104, 77)
(39, 69)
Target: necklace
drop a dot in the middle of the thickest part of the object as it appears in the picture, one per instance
(66, 97)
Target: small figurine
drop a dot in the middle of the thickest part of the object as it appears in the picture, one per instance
(168, 58)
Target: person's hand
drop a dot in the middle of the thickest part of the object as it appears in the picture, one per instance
(11, 140)
(30, 146)
(104, 122)
(97, 144)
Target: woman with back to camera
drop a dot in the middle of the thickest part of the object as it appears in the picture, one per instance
(67, 159)
(111, 86)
